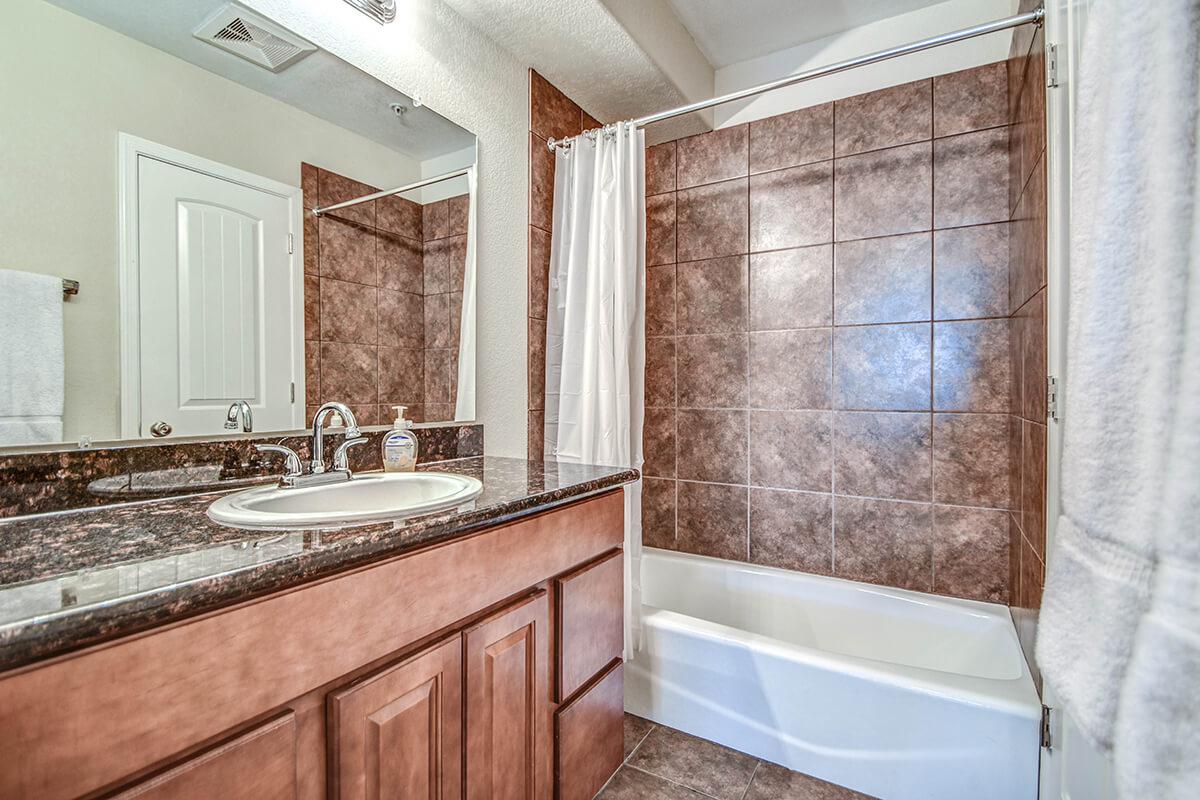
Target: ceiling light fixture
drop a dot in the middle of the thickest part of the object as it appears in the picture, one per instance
(382, 11)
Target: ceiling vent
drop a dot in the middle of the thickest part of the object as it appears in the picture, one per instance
(253, 37)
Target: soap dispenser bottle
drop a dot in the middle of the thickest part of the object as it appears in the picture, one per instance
(400, 444)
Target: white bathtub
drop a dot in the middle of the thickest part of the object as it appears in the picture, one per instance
(898, 694)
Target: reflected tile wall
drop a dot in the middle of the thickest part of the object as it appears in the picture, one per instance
(382, 286)
(828, 339)
(553, 115)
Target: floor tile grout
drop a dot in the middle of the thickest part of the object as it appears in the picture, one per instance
(668, 780)
(758, 764)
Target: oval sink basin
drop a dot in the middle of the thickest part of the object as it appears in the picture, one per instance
(363, 499)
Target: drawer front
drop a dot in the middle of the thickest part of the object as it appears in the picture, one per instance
(589, 733)
(257, 765)
(590, 621)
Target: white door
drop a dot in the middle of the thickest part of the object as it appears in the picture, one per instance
(216, 302)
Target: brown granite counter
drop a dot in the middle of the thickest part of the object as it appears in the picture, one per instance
(73, 579)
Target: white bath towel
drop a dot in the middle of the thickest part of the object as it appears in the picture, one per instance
(1119, 636)
(31, 358)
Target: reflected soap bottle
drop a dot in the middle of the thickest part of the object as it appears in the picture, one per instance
(400, 444)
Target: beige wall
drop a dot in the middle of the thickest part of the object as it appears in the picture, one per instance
(69, 87)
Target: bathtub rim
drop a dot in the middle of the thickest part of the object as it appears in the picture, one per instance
(1017, 696)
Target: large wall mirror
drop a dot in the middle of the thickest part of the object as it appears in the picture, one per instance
(167, 250)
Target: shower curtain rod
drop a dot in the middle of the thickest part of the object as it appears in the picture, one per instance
(388, 192)
(1028, 18)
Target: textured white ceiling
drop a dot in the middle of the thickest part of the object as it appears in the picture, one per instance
(580, 47)
(728, 31)
(320, 84)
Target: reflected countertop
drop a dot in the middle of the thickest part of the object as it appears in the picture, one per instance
(73, 579)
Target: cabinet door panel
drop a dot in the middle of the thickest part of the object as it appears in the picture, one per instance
(589, 733)
(591, 629)
(398, 733)
(508, 704)
(259, 764)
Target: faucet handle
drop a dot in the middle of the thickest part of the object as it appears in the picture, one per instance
(340, 459)
(292, 461)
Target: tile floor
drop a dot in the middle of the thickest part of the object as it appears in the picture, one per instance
(662, 763)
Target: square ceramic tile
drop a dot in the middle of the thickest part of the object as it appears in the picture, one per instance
(347, 251)
(884, 192)
(885, 118)
(658, 512)
(660, 229)
(883, 280)
(401, 263)
(401, 376)
(792, 530)
(712, 371)
(970, 553)
(789, 140)
(401, 319)
(658, 442)
(660, 371)
(711, 220)
(970, 178)
(711, 521)
(552, 114)
(791, 288)
(883, 454)
(711, 157)
(970, 459)
(712, 446)
(970, 365)
(883, 541)
(348, 312)
(773, 782)
(970, 272)
(970, 99)
(541, 186)
(791, 369)
(882, 367)
(660, 168)
(791, 207)
(660, 300)
(711, 295)
(539, 271)
(792, 450)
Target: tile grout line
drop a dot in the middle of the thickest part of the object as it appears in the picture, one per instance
(753, 775)
(832, 349)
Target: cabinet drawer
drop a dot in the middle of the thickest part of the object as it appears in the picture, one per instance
(260, 764)
(589, 732)
(590, 621)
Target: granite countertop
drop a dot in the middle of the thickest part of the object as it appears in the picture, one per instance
(73, 579)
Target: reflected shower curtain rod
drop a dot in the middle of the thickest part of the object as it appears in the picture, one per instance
(1034, 17)
(388, 192)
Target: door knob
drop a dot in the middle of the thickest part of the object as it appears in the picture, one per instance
(160, 429)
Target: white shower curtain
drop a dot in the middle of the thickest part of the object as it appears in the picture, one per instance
(595, 327)
(1119, 634)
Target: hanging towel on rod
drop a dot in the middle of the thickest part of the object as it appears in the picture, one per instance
(31, 358)
(1119, 633)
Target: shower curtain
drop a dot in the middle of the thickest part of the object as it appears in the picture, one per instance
(464, 408)
(595, 326)
(1119, 634)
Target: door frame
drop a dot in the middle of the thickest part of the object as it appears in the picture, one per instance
(129, 149)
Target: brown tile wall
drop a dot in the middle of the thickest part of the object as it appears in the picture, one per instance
(1027, 310)
(552, 115)
(381, 300)
(828, 339)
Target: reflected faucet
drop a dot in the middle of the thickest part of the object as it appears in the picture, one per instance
(239, 409)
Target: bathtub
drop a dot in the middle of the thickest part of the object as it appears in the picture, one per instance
(898, 694)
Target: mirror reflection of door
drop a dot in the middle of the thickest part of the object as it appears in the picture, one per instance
(218, 300)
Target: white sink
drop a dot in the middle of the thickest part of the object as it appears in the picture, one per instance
(363, 499)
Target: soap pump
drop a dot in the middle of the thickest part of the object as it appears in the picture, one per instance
(400, 444)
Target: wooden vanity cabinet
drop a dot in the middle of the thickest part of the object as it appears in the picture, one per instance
(398, 733)
(436, 674)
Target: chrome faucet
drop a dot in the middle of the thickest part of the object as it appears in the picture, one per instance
(240, 408)
(295, 476)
